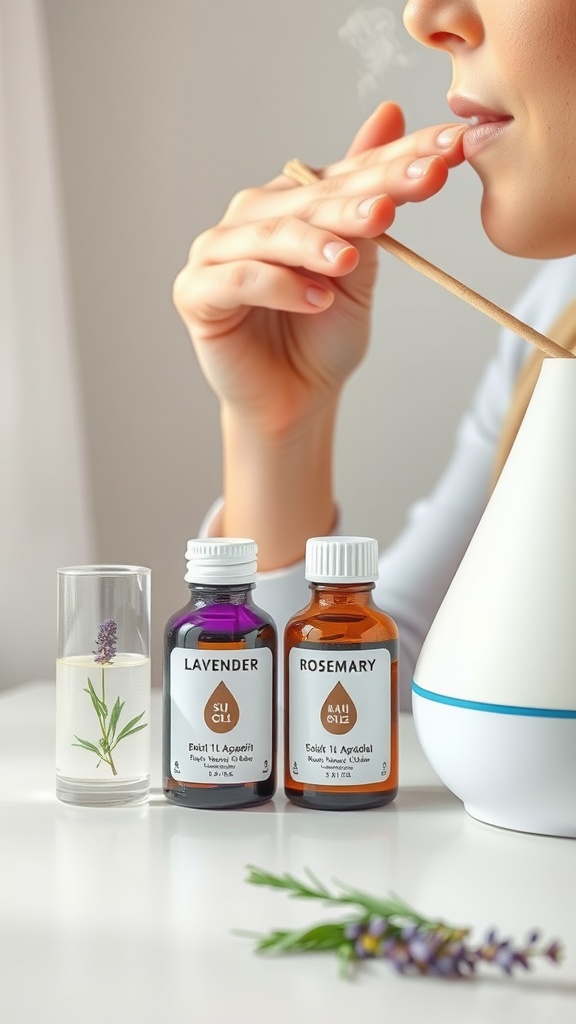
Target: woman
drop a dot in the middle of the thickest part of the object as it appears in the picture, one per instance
(277, 298)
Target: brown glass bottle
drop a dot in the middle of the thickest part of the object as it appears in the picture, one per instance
(341, 684)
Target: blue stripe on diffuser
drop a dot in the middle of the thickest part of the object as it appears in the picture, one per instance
(499, 709)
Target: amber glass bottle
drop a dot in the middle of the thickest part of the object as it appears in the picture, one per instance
(341, 684)
(219, 743)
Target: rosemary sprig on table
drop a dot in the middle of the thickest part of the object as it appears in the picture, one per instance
(389, 929)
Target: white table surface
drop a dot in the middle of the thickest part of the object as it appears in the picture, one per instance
(126, 915)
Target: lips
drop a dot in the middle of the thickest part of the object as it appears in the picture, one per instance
(487, 124)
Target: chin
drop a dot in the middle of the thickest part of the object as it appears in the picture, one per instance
(527, 236)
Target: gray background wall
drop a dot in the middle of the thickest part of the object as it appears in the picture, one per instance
(164, 108)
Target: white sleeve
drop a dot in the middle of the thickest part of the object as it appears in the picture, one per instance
(417, 568)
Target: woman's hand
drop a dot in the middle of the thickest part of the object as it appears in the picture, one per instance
(277, 297)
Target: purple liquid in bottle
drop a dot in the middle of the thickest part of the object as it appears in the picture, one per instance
(219, 628)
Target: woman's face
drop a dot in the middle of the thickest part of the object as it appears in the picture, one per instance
(514, 67)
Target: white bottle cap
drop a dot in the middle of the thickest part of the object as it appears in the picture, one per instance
(341, 559)
(227, 560)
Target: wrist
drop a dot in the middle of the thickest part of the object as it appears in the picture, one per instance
(278, 489)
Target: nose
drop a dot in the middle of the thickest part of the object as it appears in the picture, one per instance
(444, 24)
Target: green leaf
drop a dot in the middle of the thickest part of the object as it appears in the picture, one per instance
(129, 728)
(318, 939)
(131, 733)
(99, 707)
(116, 712)
(87, 746)
(256, 876)
(392, 908)
(347, 960)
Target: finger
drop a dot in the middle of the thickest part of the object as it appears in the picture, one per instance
(403, 181)
(380, 139)
(218, 294)
(294, 242)
(442, 140)
(385, 124)
(387, 170)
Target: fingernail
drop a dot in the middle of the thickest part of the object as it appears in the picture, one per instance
(365, 207)
(448, 136)
(318, 296)
(418, 168)
(332, 250)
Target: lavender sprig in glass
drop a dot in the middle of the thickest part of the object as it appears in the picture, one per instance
(108, 721)
(389, 929)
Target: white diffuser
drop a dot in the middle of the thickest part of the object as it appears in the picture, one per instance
(494, 692)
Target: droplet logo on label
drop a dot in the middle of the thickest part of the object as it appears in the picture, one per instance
(338, 714)
(221, 711)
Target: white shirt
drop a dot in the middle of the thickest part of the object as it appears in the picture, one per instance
(416, 570)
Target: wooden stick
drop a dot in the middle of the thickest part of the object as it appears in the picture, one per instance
(304, 175)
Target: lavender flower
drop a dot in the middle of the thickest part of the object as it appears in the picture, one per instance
(415, 948)
(106, 642)
(388, 929)
(433, 948)
(507, 957)
(108, 718)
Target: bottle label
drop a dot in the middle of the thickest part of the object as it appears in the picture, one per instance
(221, 715)
(340, 717)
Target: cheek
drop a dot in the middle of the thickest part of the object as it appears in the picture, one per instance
(529, 200)
(529, 196)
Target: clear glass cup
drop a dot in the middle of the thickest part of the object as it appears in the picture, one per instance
(103, 685)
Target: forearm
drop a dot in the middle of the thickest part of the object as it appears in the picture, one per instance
(279, 491)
